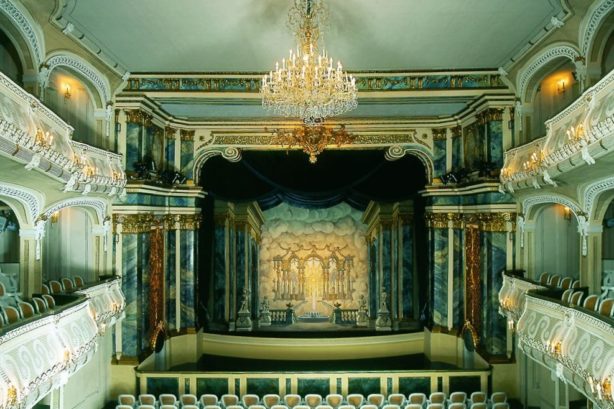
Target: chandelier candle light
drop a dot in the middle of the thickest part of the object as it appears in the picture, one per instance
(308, 85)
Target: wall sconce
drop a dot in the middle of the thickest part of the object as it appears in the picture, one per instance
(560, 86)
(567, 213)
(54, 217)
(67, 93)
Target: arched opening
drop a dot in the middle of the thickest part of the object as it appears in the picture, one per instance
(555, 90)
(607, 57)
(9, 249)
(68, 96)
(600, 56)
(10, 63)
(607, 252)
(68, 246)
(557, 242)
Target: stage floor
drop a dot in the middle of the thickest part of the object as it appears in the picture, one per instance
(215, 363)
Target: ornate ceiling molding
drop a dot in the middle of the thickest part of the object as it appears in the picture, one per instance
(31, 200)
(27, 27)
(565, 50)
(592, 22)
(82, 67)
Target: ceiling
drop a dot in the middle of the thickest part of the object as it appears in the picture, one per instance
(250, 35)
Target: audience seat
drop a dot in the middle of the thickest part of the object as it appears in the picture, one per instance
(45, 289)
(256, 407)
(355, 399)
(417, 398)
(437, 397)
(391, 406)
(544, 278)
(478, 397)
(498, 397)
(478, 405)
(376, 399)
(292, 400)
(250, 400)
(212, 407)
(313, 399)
(435, 406)
(369, 406)
(234, 407)
(607, 307)
(124, 407)
(414, 406)
(26, 310)
(146, 407)
(501, 405)
(147, 399)
(208, 400)
(40, 305)
(566, 297)
(271, 400)
(334, 400)
(591, 302)
(229, 400)
(167, 399)
(456, 405)
(458, 397)
(575, 284)
(397, 399)
(190, 407)
(279, 407)
(56, 287)
(168, 407)
(566, 283)
(187, 399)
(346, 406)
(79, 283)
(2, 290)
(554, 280)
(324, 407)
(67, 284)
(11, 314)
(50, 301)
(576, 298)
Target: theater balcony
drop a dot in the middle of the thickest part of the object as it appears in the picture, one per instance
(51, 337)
(564, 330)
(581, 135)
(36, 138)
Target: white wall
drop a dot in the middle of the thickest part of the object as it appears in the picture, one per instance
(557, 243)
(69, 246)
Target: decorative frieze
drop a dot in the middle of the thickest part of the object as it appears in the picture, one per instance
(490, 115)
(488, 222)
(145, 222)
(137, 116)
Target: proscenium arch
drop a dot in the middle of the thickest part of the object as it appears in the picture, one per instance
(21, 27)
(527, 73)
(532, 205)
(392, 153)
(95, 208)
(26, 203)
(84, 70)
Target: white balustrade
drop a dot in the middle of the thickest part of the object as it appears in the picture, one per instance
(512, 296)
(107, 302)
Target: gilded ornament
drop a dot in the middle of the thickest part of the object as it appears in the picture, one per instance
(187, 135)
(170, 133)
(440, 134)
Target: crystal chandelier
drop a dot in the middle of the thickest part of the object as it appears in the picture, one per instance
(307, 85)
(313, 139)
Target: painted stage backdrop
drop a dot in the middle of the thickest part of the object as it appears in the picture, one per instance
(313, 259)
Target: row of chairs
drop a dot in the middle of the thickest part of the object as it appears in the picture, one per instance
(64, 285)
(21, 310)
(436, 400)
(591, 302)
(555, 280)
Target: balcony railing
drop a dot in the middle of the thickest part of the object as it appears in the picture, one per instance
(39, 354)
(32, 133)
(584, 129)
(575, 343)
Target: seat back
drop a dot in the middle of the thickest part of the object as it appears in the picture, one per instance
(234, 407)
(68, 284)
(250, 400)
(576, 298)
(40, 305)
(190, 407)
(292, 400)
(417, 398)
(607, 307)
(167, 407)
(55, 286)
(26, 309)
(313, 399)
(501, 405)
(50, 301)
(478, 397)
(355, 399)
(324, 407)
(279, 407)
(554, 280)
(391, 406)
(376, 399)
(544, 278)
(435, 406)
(566, 297)
(591, 302)
(437, 397)
(11, 314)
(79, 283)
(345, 406)
(212, 407)
(229, 400)
(334, 399)
(498, 397)
(458, 397)
(271, 400)
(125, 399)
(256, 407)
(397, 399)
(208, 400)
(2, 290)
(369, 406)
(124, 407)
(146, 407)
(456, 405)
(566, 283)
(414, 406)
(187, 399)
(575, 284)
(479, 405)
(167, 399)
(147, 399)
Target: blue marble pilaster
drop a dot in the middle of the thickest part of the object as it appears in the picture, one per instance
(439, 156)
(408, 271)
(171, 288)
(130, 281)
(155, 137)
(440, 276)
(241, 259)
(188, 278)
(254, 274)
(133, 145)
(144, 246)
(493, 260)
(373, 278)
(495, 143)
(169, 154)
(457, 152)
(459, 285)
(386, 261)
(219, 273)
(187, 157)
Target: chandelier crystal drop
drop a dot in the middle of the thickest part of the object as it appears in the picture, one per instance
(308, 84)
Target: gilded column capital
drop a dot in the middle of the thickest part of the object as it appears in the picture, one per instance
(440, 134)
(170, 133)
(134, 223)
(457, 131)
(187, 135)
(189, 221)
(137, 116)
